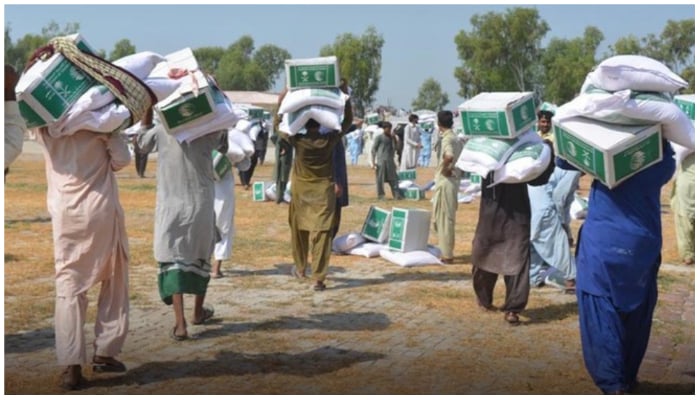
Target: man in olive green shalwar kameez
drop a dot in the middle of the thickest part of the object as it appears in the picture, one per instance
(312, 209)
(382, 160)
(447, 180)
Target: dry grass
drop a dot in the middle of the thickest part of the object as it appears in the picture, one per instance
(262, 234)
(261, 247)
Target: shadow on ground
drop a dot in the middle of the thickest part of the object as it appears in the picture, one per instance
(368, 321)
(30, 341)
(320, 361)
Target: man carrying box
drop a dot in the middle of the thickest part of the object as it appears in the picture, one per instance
(312, 209)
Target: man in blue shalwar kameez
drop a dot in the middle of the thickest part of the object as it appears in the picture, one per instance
(617, 259)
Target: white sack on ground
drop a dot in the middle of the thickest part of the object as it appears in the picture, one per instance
(345, 243)
(413, 258)
(368, 249)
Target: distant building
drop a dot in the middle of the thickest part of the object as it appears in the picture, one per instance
(268, 101)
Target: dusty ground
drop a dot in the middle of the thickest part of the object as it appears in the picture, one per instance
(378, 329)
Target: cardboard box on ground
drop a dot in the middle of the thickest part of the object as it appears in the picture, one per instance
(410, 228)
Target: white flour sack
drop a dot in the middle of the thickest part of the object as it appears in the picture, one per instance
(326, 116)
(413, 258)
(162, 87)
(239, 139)
(628, 107)
(636, 73)
(483, 154)
(296, 99)
(140, 64)
(528, 162)
(346, 242)
(368, 249)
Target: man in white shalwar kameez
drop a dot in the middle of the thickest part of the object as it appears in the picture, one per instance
(90, 246)
(224, 197)
(411, 144)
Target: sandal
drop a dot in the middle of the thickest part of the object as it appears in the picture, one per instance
(208, 313)
(512, 318)
(297, 274)
(320, 286)
(107, 364)
(176, 337)
(72, 378)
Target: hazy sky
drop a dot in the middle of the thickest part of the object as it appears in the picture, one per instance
(419, 38)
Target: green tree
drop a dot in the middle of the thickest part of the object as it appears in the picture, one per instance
(501, 52)
(360, 63)
(270, 59)
(121, 49)
(566, 64)
(629, 44)
(19, 53)
(238, 69)
(208, 58)
(430, 96)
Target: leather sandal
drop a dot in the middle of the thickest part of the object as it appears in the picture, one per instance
(72, 378)
(107, 364)
(320, 286)
(512, 318)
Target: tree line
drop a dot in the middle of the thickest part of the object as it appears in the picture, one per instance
(501, 52)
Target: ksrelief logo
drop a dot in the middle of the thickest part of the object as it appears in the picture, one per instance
(490, 125)
(61, 89)
(75, 74)
(524, 113)
(637, 160)
(186, 110)
(571, 149)
(319, 76)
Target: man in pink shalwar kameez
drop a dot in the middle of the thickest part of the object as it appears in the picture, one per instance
(90, 247)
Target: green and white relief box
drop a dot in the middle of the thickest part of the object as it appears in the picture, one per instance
(498, 114)
(372, 118)
(312, 72)
(410, 228)
(255, 113)
(407, 175)
(259, 191)
(413, 193)
(687, 103)
(611, 153)
(376, 226)
(194, 102)
(475, 178)
(47, 90)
